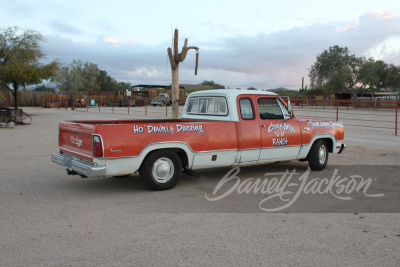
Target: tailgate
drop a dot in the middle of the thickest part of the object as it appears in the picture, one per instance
(76, 139)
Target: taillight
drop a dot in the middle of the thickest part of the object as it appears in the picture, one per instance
(97, 147)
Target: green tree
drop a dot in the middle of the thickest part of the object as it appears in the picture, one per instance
(336, 70)
(122, 86)
(107, 83)
(43, 87)
(393, 79)
(213, 84)
(80, 75)
(20, 60)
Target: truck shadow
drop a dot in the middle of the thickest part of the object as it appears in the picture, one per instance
(205, 180)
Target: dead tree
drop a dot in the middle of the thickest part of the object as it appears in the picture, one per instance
(175, 58)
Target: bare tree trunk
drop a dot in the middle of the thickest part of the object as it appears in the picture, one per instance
(175, 92)
(14, 93)
(175, 58)
(15, 99)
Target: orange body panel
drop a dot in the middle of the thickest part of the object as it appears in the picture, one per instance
(129, 138)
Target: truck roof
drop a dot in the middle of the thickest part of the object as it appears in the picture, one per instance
(232, 92)
(231, 97)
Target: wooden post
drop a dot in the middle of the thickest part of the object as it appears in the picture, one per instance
(395, 127)
(175, 58)
(337, 110)
(175, 92)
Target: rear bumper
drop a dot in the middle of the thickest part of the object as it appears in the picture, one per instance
(83, 168)
(342, 148)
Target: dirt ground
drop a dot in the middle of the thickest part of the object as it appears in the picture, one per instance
(51, 219)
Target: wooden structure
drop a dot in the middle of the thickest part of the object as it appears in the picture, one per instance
(175, 58)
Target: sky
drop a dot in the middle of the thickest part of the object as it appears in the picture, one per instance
(261, 44)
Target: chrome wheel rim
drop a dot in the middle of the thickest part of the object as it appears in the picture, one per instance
(163, 170)
(322, 154)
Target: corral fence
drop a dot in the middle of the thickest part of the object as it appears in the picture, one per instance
(379, 114)
(357, 113)
(141, 106)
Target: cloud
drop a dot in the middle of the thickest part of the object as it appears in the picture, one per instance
(64, 28)
(263, 60)
(110, 40)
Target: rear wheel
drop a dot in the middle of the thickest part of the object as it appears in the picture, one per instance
(160, 170)
(318, 155)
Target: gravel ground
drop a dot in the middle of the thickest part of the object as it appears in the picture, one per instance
(51, 219)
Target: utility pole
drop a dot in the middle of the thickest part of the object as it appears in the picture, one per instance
(175, 58)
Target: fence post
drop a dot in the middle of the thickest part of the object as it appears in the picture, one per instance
(166, 108)
(395, 127)
(128, 105)
(145, 106)
(337, 110)
(87, 103)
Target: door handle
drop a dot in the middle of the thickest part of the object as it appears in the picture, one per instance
(263, 126)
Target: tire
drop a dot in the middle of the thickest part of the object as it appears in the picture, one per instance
(154, 105)
(318, 155)
(161, 170)
(162, 103)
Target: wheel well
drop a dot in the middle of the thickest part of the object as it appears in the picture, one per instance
(180, 152)
(329, 142)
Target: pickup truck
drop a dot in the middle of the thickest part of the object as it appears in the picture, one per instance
(161, 100)
(218, 128)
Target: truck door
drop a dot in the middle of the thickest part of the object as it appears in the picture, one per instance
(280, 133)
(249, 136)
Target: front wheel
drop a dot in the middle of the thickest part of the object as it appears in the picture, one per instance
(318, 155)
(162, 104)
(160, 170)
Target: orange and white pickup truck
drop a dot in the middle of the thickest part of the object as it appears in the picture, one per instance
(218, 128)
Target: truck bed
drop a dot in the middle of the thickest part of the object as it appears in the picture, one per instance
(128, 138)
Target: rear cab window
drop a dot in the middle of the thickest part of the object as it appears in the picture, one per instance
(207, 106)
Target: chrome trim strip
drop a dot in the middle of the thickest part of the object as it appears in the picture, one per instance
(248, 149)
(75, 152)
(273, 147)
(56, 158)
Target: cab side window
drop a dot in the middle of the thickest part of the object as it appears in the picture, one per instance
(246, 109)
(269, 109)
